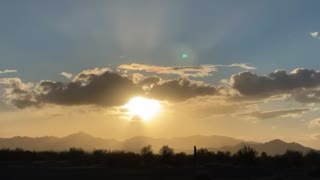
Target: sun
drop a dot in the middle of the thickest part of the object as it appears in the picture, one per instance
(144, 108)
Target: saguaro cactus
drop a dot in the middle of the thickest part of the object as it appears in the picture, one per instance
(195, 156)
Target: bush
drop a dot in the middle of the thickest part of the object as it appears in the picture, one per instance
(166, 154)
(247, 155)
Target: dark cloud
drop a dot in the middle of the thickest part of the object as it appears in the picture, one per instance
(104, 87)
(107, 89)
(250, 84)
(181, 89)
(100, 87)
(275, 114)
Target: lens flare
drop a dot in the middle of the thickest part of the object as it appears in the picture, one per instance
(184, 56)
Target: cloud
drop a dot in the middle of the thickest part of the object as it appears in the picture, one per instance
(15, 83)
(104, 87)
(151, 80)
(66, 75)
(314, 34)
(85, 75)
(275, 114)
(186, 71)
(107, 89)
(251, 84)
(181, 89)
(100, 87)
(18, 93)
(314, 123)
(8, 71)
(244, 66)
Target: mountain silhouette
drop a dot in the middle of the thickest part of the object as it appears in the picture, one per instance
(274, 147)
(79, 140)
(134, 144)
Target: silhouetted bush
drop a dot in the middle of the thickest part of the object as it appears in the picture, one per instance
(182, 160)
(246, 155)
(166, 154)
(312, 159)
(204, 156)
(263, 155)
(99, 157)
(293, 158)
(222, 157)
(147, 155)
(77, 156)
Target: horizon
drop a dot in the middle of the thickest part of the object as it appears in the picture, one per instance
(241, 141)
(84, 142)
(161, 68)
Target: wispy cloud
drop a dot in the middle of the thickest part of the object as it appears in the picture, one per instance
(244, 66)
(67, 75)
(8, 71)
(187, 71)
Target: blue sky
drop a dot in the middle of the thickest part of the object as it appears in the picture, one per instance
(48, 37)
(39, 39)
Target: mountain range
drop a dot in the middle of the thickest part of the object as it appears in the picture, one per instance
(180, 144)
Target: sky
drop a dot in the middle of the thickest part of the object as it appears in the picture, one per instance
(246, 69)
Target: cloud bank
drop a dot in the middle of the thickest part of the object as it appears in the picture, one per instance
(100, 87)
(105, 87)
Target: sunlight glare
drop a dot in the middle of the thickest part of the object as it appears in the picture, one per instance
(144, 108)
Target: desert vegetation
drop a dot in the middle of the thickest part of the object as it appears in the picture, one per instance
(166, 156)
(163, 164)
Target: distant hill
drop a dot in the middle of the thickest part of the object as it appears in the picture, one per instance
(88, 142)
(80, 140)
(273, 147)
(180, 144)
